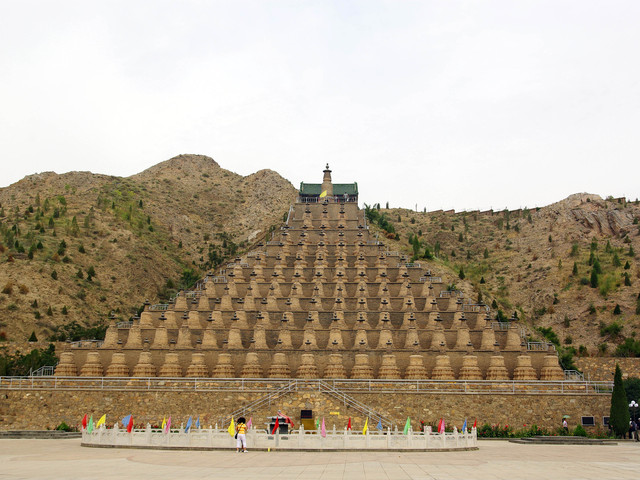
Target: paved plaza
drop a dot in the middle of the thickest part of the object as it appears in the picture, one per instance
(62, 459)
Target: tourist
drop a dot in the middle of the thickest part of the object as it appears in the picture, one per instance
(241, 435)
(565, 426)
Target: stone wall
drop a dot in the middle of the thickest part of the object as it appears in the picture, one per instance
(41, 409)
(603, 368)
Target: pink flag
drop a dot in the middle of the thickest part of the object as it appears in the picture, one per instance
(168, 425)
(323, 430)
(441, 426)
(249, 423)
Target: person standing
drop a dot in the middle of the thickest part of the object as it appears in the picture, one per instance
(565, 426)
(241, 435)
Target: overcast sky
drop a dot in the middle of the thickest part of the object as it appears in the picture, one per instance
(443, 104)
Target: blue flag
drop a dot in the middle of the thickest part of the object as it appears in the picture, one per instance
(125, 421)
(379, 426)
(464, 427)
(186, 429)
(198, 422)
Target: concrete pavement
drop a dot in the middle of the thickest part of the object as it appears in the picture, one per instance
(494, 460)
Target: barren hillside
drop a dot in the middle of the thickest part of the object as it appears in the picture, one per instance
(77, 246)
(538, 263)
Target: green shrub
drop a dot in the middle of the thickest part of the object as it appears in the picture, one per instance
(628, 348)
(64, 427)
(579, 431)
(613, 329)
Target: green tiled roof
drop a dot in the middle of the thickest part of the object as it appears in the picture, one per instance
(338, 188)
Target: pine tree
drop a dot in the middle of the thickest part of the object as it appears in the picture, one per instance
(616, 260)
(594, 279)
(619, 412)
(33, 337)
(616, 310)
(575, 269)
(461, 274)
(596, 267)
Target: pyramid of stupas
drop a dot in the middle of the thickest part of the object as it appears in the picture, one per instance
(322, 299)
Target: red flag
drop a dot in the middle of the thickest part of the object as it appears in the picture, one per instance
(275, 427)
(130, 425)
(475, 422)
(84, 421)
(441, 426)
(349, 424)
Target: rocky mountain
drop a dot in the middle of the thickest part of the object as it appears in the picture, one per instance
(538, 264)
(78, 246)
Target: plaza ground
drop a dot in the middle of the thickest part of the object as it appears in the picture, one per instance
(66, 459)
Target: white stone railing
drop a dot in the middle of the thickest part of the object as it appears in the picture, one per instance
(261, 439)
(350, 386)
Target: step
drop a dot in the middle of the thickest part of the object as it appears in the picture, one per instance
(562, 440)
(38, 434)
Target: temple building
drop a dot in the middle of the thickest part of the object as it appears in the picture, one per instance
(322, 299)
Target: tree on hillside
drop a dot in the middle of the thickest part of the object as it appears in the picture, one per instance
(619, 413)
(594, 279)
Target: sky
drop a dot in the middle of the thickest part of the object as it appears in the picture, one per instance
(426, 104)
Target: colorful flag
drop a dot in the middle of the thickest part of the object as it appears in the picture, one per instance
(323, 194)
(164, 422)
(167, 427)
(318, 423)
(407, 426)
(232, 428)
(198, 422)
(125, 421)
(349, 424)
(379, 426)
(275, 426)
(186, 429)
(90, 426)
(441, 426)
(464, 426)
(84, 421)
(323, 430)
(130, 424)
(366, 426)
(102, 420)
(249, 423)
(475, 423)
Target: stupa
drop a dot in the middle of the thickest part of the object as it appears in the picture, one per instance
(322, 298)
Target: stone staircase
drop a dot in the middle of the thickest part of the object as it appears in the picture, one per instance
(561, 440)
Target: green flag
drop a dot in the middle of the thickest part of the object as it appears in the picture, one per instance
(90, 426)
(407, 426)
(318, 423)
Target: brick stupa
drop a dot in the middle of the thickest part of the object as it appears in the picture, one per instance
(322, 299)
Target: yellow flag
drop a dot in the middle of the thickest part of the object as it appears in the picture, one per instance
(102, 420)
(323, 194)
(366, 426)
(164, 422)
(232, 428)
